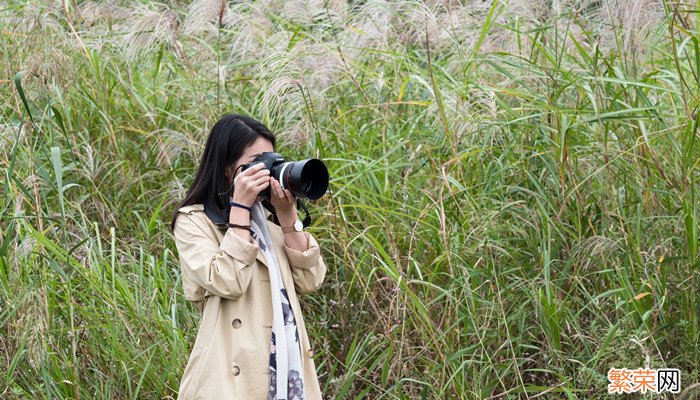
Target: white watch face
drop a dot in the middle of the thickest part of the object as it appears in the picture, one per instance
(298, 226)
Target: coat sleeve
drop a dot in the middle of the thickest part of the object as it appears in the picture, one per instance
(308, 267)
(222, 269)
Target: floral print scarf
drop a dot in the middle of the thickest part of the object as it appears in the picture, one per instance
(285, 351)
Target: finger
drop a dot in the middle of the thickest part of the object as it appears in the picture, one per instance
(278, 190)
(261, 186)
(260, 176)
(274, 188)
(289, 195)
(260, 181)
(283, 190)
(258, 173)
(253, 169)
(261, 173)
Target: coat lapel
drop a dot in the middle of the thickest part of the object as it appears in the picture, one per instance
(260, 257)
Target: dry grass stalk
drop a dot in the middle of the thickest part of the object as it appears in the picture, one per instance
(148, 27)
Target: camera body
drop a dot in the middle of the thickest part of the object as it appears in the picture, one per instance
(306, 178)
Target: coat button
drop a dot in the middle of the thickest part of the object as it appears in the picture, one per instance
(310, 353)
(236, 323)
(236, 370)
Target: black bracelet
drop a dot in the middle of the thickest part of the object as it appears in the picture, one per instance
(234, 204)
(246, 227)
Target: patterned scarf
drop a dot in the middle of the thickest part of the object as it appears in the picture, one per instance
(286, 378)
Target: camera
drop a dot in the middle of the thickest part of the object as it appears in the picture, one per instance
(306, 178)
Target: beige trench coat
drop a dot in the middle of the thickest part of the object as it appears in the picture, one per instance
(227, 280)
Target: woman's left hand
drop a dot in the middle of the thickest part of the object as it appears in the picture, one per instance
(282, 199)
(285, 204)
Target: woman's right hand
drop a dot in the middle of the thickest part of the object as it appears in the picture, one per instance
(249, 183)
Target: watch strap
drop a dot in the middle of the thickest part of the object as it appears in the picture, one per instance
(287, 229)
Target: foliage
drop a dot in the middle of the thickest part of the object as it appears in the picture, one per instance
(512, 209)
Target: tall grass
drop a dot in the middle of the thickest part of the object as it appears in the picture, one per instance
(512, 208)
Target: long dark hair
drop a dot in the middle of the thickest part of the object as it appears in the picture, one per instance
(227, 140)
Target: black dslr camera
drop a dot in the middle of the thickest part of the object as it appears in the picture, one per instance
(306, 178)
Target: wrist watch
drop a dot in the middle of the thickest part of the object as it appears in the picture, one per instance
(297, 227)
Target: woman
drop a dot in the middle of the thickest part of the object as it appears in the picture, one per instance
(243, 264)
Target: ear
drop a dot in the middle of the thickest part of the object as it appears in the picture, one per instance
(228, 171)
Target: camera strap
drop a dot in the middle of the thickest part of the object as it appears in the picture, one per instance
(307, 220)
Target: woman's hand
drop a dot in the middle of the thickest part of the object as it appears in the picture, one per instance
(249, 183)
(284, 202)
(286, 209)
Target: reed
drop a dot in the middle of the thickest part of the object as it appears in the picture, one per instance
(512, 208)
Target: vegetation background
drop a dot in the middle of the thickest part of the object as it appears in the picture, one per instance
(513, 207)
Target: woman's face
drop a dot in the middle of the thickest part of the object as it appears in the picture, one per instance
(260, 145)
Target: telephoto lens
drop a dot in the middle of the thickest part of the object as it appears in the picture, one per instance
(306, 178)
